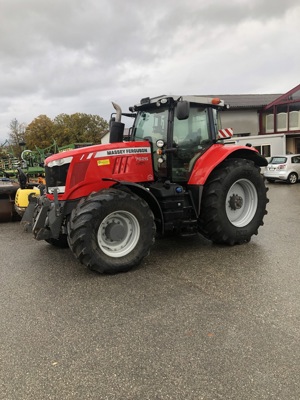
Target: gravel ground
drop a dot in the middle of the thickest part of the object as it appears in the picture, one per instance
(194, 321)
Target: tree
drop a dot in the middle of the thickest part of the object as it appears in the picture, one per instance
(65, 129)
(17, 136)
(79, 128)
(40, 133)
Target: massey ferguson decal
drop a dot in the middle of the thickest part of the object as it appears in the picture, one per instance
(117, 152)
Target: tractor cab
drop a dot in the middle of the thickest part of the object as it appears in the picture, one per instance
(180, 129)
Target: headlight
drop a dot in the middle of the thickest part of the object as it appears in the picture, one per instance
(59, 162)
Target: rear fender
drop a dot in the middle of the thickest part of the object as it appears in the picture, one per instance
(217, 153)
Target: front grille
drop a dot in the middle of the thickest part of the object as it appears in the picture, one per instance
(78, 172)
(56, 176)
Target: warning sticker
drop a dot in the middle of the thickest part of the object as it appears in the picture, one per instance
(103, 162)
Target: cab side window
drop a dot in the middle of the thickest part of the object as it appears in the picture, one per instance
(190, 136)
(194, 130)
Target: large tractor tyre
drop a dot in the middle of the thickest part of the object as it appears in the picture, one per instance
(111, 231)
(233, 203)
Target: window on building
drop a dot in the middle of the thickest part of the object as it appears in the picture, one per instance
(281, 118)
(287, 118)
(294, 116)
(281, 122)
(295, 96)
(269, 122)
(264, 150)
(283, 115)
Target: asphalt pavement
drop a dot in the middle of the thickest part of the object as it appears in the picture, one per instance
(194, 321)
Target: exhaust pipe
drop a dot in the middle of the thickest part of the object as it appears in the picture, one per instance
(116, 127)
(118, 112)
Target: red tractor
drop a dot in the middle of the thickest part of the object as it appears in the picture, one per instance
(171, 174)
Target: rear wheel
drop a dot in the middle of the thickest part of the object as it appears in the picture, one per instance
(293, 178)
(111, 231)
(233, 203)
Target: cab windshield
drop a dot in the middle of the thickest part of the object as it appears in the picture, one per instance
(151, 125)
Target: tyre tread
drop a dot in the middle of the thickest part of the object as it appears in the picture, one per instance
(86, 211)
(210, 224)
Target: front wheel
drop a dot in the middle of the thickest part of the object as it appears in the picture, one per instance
(233, 203)
(111, 231)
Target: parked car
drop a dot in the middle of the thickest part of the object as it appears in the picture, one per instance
(283, 168)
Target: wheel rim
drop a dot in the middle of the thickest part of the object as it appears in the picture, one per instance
(293, 178)
(118, 234)
(241, 203)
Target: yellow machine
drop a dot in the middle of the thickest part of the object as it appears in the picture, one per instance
(21, 198)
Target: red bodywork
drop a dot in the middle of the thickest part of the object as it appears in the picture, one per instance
(125, 161)
(214, 156)
(128, 161)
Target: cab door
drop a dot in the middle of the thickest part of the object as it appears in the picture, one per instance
(152, 125)
(191, 137)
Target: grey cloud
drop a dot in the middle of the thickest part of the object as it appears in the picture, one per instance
(68, 56)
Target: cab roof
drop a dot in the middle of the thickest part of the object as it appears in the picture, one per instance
(190, 98)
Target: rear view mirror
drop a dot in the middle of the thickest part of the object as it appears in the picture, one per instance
(183, 110)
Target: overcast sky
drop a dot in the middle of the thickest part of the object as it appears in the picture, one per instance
(68, 56)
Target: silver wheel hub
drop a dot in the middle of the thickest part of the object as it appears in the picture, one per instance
(241, 203)
(235, 202)
(115, 231)
(118, 234)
